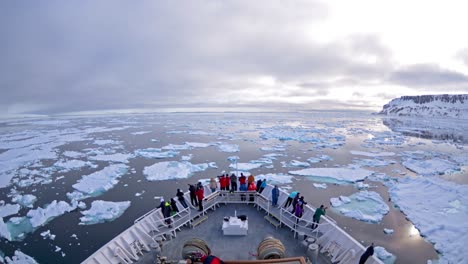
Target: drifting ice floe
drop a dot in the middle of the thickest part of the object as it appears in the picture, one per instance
(388, 231)
(47, 234)
(176, 147)
(20, 258)
(273, 178)
(320, 185)
(26, 200)
(69, 165)
(140, 133)
(334, 175)
(295, 163)
(228, 148)
(372, 154)
(155, 153)
(431, 166)
(103, 211)
(41, 216)
(100, 181)
(116, 157)
(168, 170)
(367, 206)
(373, 162)
(8, 209)
(245, 166)
(439, 210)
(384, 255)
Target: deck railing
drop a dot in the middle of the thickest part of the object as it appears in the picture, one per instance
(150, 227)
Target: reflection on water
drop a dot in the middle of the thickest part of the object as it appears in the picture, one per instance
(455, 130)
(413, 231)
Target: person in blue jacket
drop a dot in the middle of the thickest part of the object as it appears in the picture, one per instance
(274, 196)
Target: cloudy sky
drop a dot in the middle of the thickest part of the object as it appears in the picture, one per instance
(67, 56)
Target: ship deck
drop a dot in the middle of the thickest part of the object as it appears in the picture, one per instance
(232, 247)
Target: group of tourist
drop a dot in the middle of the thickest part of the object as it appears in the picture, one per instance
(229, 183)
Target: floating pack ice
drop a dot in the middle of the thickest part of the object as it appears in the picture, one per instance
(320, 185)
(41, 216)
(275, 178)
(102, 142)
(68, 165)
(430, 166)
(439, 210)
(116, 157)
(295, 163)
(228, 148)
(168, 170)
(8, 209)
(103, 211)
(26, 200)
(372, 154)
(384, 255)
(99, 182)
(198, 145)
(245, 166)
(367, 206)
(373, 162)
(20, 258)
(334, 175)
(155, 153)
(176, 147)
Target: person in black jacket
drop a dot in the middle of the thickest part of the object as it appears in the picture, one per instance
(369, 252)
(193, 196)
(180, 197)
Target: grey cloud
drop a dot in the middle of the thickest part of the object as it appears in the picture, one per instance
(71, 56)
(427, 75)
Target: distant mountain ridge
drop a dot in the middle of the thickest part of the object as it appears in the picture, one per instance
(441, 105)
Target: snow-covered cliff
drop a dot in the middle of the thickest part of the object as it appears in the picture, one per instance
(443, 105)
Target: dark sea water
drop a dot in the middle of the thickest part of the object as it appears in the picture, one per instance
(350, 130)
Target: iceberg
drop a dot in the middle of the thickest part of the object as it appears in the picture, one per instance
(103, 211)
(438, 209)
(339, 175)
(367, 206)
(99, 182)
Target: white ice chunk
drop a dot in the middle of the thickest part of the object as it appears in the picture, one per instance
(295, 163)
(245, 166)
(103, 211)
(41, 216)
(99, 182)
(102, 142)
(339, 174)
(168, 170)
(155, 153)
(373, 162)
(372, 154)
(388, 231)
(384, 255)
(176, 147)
(439, 210)
(366, 206)
(361, 185)
(228, 148)
(320, 185)
(116, 157)
(140, 133)
(20, 258)
(48, 234)
(275, 178)
(73, 164)
(73, 154)
(8, 209)
(198, 145)
(431, 166)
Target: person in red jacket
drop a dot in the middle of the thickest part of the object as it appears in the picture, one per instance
(222, 184)
(200, 195)
(227, 181)
(252, 188)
